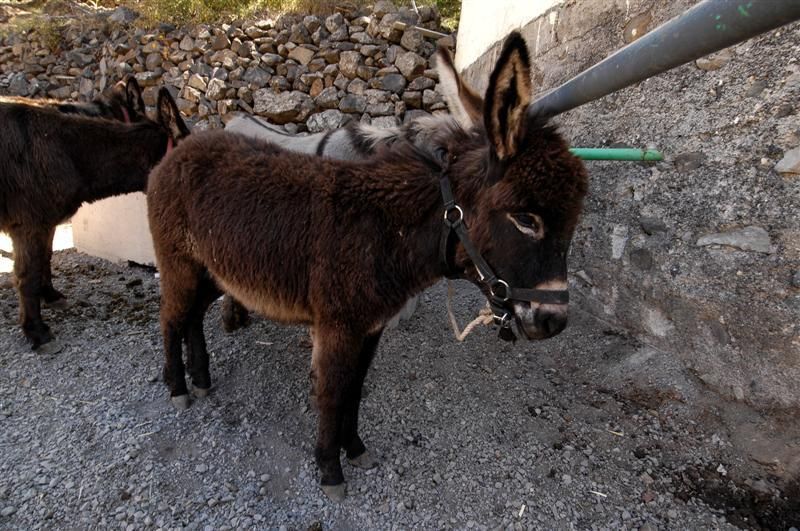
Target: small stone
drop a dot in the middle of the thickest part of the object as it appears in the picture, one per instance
(412, 40)
(328, 98)
(186, 44)
(689, 161)
(8, 511)
(301, 55)
(216, 89)
(200, 469)
(783, 110)
(353, 103)
(385, 122)
(383, 7)
(282, 107)
(636, 27)
(789, 165)
(349, 62)
(391, 82)
(325, 121)
(642, 259)
(756, 88)
(566, 479)
(410, 65)
(796, 279)
(220, 42)
(714, 61)
(652, 225)
(747, 239)
(197, 82)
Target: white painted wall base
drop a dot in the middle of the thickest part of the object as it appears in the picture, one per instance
(115, 229)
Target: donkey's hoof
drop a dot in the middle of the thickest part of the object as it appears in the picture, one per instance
(199, 392)
(50, 348)
(38, 337)
(365, 461)
(181, 402)
(336, 493)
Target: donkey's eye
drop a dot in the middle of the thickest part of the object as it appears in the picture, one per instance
(529, 224)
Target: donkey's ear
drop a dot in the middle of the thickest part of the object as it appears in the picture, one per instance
(508, 96)
(169, 117)
(133, 96)
(464, 103)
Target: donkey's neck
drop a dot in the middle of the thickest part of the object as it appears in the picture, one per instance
(413, 230)
(120, 160)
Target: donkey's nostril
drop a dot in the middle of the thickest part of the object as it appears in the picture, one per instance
(551, 323)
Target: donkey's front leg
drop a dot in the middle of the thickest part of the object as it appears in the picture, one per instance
(29, 256)
(357, 453)
(334, 362)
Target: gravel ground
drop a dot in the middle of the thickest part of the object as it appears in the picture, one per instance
(590, 430)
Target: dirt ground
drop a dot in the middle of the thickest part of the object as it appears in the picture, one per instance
(567, 433)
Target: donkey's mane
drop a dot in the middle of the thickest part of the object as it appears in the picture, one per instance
(86, 122)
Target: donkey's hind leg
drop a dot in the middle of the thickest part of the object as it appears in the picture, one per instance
(357, 453)
(234, 315)
(196, 353)
(334, 364)
(52, 297)
(30, 251)
(180, 279)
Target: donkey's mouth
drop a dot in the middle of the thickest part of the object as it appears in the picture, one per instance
(540, 322)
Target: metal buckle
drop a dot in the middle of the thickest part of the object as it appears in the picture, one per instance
(448, 211)
(504, 284)
(502, 322)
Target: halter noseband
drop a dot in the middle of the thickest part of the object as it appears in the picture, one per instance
(500, 293)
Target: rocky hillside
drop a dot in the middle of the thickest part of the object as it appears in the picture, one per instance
(306, 72)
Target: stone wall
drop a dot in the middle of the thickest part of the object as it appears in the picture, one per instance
(308, 73)
(696, 257)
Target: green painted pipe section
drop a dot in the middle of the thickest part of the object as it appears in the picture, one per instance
(617, 154)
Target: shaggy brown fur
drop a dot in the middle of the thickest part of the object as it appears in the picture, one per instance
(341, 245)
(123, 103)
(50, 163)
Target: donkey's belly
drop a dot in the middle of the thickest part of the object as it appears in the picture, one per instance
(268, 304)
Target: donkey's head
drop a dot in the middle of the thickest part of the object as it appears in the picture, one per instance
(521, 191)
(126, 102)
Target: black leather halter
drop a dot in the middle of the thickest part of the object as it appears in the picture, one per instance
(501, 295)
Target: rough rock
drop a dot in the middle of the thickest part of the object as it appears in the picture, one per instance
(750, 238)
(282, 107)
(789, 165)
(326, 120)
(410, 64)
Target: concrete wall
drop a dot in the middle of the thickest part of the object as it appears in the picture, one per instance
(696, 257)
(482, 25)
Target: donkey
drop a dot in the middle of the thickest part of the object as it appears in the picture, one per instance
(341, 246)
(50, 163)
(123, 103)
(356, 141)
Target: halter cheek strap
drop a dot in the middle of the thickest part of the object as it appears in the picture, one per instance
(501, 295)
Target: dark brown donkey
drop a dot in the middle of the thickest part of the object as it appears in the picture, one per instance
(124, 103)
(341, 246)
(50, 163)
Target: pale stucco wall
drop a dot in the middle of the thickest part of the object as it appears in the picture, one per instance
(484, 23)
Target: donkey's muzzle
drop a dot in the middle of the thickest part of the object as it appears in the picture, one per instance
(541, 321)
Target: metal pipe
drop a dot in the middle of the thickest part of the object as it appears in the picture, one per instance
(705, 28)
(617, 154)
